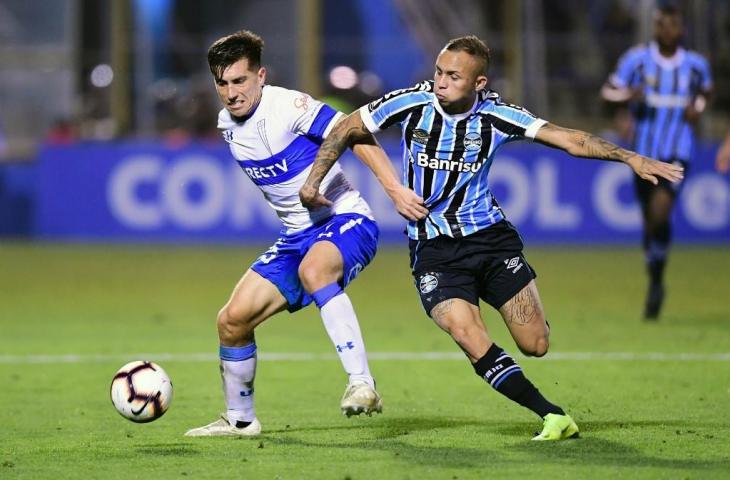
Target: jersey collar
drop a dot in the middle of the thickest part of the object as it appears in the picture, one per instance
(240, 120)
(667, 63)
(460, 116)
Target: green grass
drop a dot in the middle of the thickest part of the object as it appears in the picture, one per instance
(639, 418)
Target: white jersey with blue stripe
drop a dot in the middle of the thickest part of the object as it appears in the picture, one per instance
(446, 158)
(276, 145)
(669, 85)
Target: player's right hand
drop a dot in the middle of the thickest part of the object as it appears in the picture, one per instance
(649, 169)
(312, 199)
(637, 94)
(409, 205)
(722, 161)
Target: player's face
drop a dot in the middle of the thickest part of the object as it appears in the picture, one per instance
(457, 78)
(239, 88)
(668, 30)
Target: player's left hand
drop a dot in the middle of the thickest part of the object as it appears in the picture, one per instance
(650, 169)
(692, 115)
(312, 199)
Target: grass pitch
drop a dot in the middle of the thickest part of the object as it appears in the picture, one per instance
(651, 399)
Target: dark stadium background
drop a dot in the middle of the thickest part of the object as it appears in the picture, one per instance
(88, 87)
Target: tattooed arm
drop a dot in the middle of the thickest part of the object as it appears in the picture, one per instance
(352, 132)
(583, 144)
(342, 136)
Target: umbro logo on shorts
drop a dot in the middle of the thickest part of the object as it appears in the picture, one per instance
(428, 283)
(513, 264)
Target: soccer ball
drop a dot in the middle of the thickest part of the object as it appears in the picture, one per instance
(141, 391)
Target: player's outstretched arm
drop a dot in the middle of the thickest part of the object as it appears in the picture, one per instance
(351, 131)
(586, 145)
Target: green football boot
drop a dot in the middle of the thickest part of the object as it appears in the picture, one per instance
(557, 427)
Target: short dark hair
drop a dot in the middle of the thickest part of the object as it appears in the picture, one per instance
(669, 9)
(229, 49)
(472, 45)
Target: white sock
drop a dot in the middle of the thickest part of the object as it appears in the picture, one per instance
(341, 324)
(238, 378)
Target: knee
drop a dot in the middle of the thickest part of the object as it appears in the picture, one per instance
(536, 347)
(313, 277)
(460, 334)
(234, 324)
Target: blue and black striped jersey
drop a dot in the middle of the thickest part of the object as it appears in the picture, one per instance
(446, 158)
(669, 85)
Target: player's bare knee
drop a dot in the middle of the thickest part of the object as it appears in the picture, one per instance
(536, 347)
(309, 277)
(233, 324)
(460, 334)
(314, 277)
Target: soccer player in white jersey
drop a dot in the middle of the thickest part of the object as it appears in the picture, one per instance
(274, 134)
(464, 249)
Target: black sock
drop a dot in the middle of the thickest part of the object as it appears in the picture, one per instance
(504, 375)
(656, 247)
(656, 271)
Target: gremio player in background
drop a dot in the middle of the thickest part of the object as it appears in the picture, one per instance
(464, 249)
(274, 134)
(666, 88)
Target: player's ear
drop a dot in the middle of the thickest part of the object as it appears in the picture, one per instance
(480, 83)
(262, 74)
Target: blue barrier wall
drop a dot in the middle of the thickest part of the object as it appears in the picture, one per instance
(148, 192)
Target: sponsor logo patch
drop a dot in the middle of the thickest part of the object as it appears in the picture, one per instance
(302, 102)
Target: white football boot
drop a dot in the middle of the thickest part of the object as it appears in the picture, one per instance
(222, 428)
(359, 398)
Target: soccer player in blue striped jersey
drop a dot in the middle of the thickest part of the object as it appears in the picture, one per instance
(666, 88)
(462, 247)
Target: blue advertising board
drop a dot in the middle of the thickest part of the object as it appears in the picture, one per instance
(197, 193)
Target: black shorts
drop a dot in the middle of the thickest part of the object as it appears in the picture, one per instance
(645, 189)
(488, 264)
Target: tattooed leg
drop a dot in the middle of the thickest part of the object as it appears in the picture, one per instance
(462, 321)
(525, 318)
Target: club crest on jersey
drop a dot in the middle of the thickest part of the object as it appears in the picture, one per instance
(472, 141)
(428, 283)
(228, 135)
(420, 136)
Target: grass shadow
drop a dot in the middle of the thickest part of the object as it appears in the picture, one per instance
(176, 449)
(589, 450)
